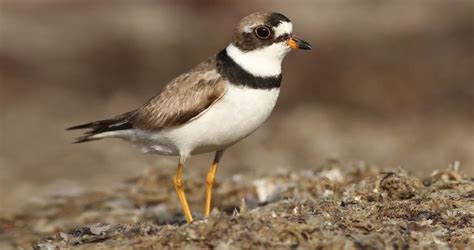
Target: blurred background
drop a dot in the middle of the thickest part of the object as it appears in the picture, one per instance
(388, 82)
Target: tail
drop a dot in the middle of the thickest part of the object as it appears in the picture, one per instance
(121, 122)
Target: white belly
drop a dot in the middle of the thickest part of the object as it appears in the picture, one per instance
(235, 116)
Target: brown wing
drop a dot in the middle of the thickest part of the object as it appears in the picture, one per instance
(182, 99)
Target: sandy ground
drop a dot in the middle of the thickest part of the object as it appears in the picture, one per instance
(337, 205)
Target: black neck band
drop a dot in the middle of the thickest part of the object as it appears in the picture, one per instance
(232, 72)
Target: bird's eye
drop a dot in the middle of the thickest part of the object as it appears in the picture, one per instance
(262, 32)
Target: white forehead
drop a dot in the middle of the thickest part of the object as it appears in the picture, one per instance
(283, 28)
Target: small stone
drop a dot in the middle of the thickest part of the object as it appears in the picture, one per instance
(63, 236)
(98, 229)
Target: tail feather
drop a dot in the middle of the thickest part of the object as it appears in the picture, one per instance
(85, 138)
(82, 126)
(121, 122)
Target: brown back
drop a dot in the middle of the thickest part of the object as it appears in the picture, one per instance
(184, 98)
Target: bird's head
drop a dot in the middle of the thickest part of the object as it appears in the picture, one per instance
(260, 42)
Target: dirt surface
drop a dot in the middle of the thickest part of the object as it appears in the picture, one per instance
(338, 205)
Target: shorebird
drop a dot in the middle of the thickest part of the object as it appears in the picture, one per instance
(212, 106)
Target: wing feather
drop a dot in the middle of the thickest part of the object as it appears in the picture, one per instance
(182, 99)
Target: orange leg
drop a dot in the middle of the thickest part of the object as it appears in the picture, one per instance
(211, 176)
(179, 186)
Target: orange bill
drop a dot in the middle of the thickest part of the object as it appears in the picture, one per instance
(296, 43)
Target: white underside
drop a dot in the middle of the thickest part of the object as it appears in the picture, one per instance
(235, 116)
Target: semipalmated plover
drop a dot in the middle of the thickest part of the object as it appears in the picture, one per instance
(214, 105)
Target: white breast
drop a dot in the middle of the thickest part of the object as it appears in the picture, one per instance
(236, 115)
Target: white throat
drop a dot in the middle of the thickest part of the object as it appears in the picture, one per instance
(264, 62)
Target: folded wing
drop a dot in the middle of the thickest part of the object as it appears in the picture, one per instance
(183, 99)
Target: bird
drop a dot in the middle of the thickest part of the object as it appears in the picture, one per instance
(213, 105)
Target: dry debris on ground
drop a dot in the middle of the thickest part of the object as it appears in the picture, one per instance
(340, 205)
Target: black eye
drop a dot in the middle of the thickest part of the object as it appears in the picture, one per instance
(262, 32)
